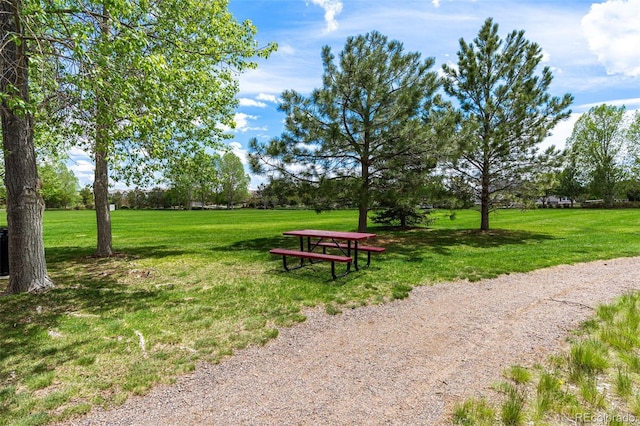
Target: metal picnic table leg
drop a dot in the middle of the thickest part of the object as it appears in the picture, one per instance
(333, 270)
(301, 249)
(355, 254)
(311, 248)
(290, 268)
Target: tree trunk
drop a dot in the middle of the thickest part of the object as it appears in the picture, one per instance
(27, 264)
(101, 199)
(101, 176)
(363, 199)
(363, 209)
(484, 205)
(609, 192)
(484, 216)
(485, 182)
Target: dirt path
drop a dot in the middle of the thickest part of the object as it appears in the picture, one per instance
(402, 363)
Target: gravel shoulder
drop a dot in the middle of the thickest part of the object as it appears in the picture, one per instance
(405, 362)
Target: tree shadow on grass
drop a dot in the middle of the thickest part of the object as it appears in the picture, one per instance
(442, 242)
(27, 317)
(409, 243)
(319, 272)
(262, 244)
(66, 254)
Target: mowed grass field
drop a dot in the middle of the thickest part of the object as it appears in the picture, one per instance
(190, 286)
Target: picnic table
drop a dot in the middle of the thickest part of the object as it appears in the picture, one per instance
(345, 244)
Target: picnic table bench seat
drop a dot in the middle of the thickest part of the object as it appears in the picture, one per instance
(311, 255)
(342, 246)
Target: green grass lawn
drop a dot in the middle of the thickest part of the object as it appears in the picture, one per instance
(195, 286)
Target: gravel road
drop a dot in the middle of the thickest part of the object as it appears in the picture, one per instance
(402, 363)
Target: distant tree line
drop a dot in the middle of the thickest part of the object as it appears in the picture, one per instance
(212, 179)
(396, 148)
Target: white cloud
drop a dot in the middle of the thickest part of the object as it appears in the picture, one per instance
(332, 8)
(78, 152)
(83, 170)
(631, 104)
(267, 98)
(561, 133)
(436, 3)
(286, 49)
(613, 33)
(242, 121)
(546, 56)
(256, 181)
(240, 152)
(281, 77)
(246, 102)
(81, 166)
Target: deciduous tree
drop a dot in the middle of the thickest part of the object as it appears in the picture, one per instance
(24, 200)
(633, 136)
(569, 183)
(600, 144)
(158, 80)
(59, 185)
(506, 111)
(86, 196)
(234, 181)
(133, 80)
(194, 177)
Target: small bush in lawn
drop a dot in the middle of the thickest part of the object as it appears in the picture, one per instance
(331, 309)
(615, 419)
(607, 312)
(402, 215)
(635, 405)
(401, 291)
(631, 360)
(619, 337)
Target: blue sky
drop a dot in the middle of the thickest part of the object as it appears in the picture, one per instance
(592, 48)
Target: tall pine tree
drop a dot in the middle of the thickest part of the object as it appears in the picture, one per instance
(506, 111)
(365, 119)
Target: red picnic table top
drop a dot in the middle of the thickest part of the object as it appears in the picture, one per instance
(316, 233)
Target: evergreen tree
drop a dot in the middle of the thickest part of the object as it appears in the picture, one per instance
(505, 110)
(365, 120)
